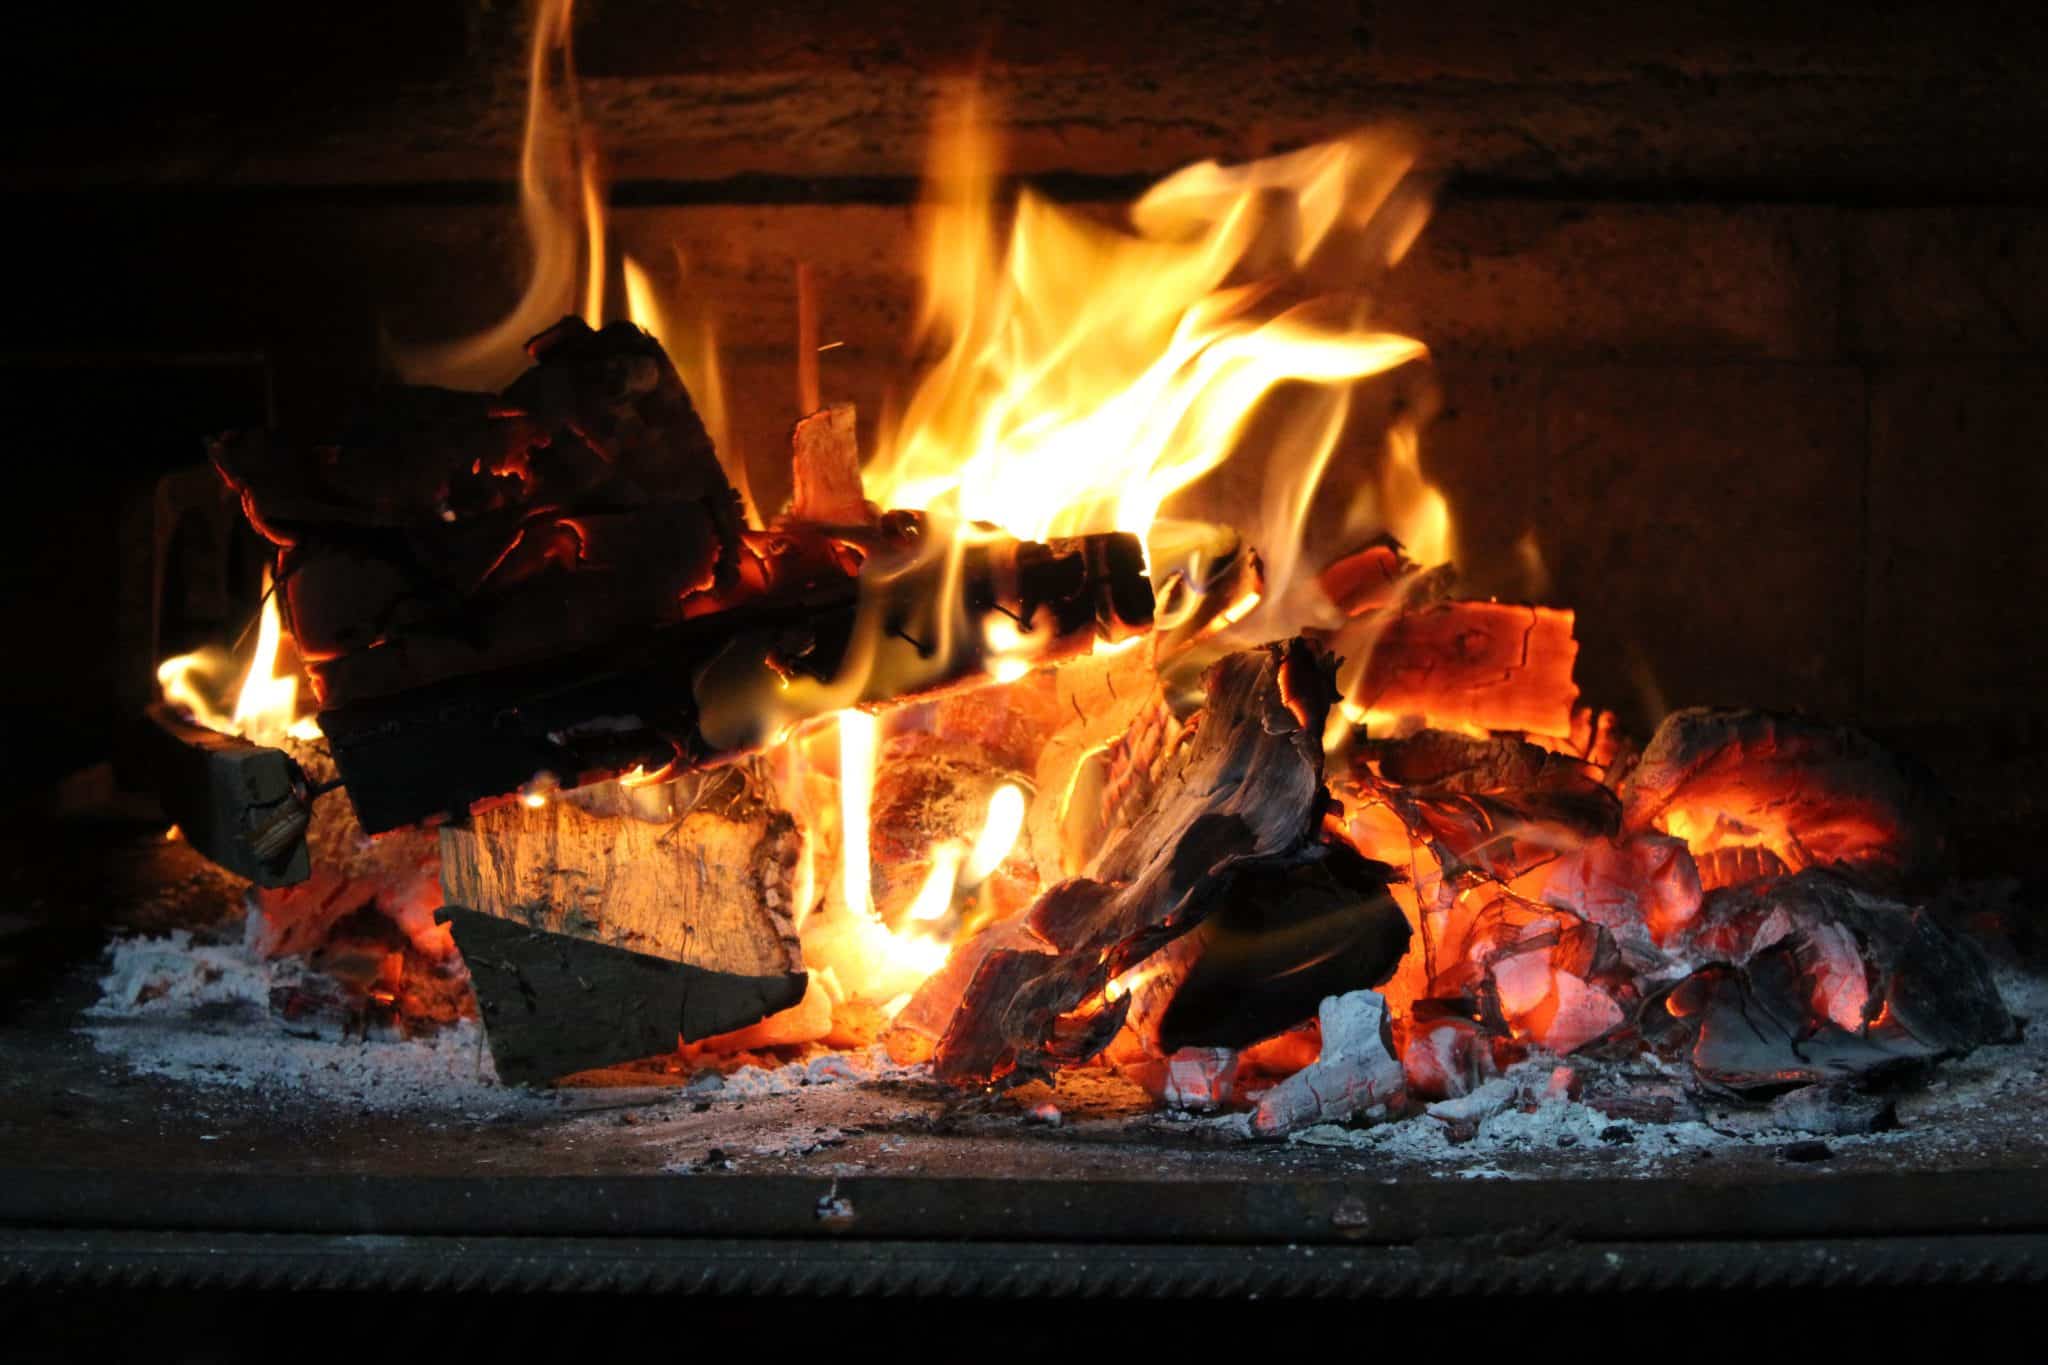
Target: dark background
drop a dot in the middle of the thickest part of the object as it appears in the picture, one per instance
(1739, 309)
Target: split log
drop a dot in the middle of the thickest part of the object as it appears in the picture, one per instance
(1494, 665)
(553, 1004)
(825, 461)
(700, 870)
(1356, 1076)
(1247, 786)
(244, 805)
(1812, 795)
(679, 894)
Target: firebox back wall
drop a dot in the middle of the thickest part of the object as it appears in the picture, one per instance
(1744, 320)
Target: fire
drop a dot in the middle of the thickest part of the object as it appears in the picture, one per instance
(265, 705)
(561, 208)
(1090, 372)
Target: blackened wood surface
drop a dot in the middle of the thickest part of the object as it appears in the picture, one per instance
(553, 1004)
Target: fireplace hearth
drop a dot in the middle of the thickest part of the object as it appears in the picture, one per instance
(1369, 694)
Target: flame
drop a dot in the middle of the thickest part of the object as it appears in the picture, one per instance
(691, 340)
(857, 734)
(265, 708)
(561, 208)
(1091, 372)
(998, 835)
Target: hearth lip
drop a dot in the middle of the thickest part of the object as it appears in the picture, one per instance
(120, 1259)
(1254, 1208)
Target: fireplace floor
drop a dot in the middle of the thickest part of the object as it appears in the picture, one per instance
(109, 1174)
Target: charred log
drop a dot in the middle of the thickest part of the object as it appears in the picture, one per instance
(1816, 979)
(244, 805)
(553, 1004)
(1247, 786)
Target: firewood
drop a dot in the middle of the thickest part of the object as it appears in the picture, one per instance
(1812, 795)
(1356, 1075)
(1247, 786)
(1494, 665)
(825, 463)
(709, 686)
(553, 1004)
(441, 534)
(244, 805)
(699, 870)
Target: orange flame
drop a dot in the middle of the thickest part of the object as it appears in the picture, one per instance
(265, 706)
(561, 207)
(1091, 372)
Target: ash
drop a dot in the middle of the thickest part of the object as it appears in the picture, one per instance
(200, 1012)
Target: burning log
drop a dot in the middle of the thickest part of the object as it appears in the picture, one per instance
(1494, 665)
(1802, 793)
(707, 687)
(245, 806)
(697, 870)
(556, 581)
(1356, 1075)
(1247, 787)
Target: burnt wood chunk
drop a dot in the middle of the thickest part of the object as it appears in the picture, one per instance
(553, 1005)
(1814, 978)
(1496, 665)
(1804, 793)
(244, 805)
(699, 870)
(1246, 786)
(1283, 937)
(825, 465)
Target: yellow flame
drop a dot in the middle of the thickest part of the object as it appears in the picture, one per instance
(1090, 372)
(265, 706)
(998, 834)
(1415, 510)
(857, 735)
(557, 186)
(935, 897)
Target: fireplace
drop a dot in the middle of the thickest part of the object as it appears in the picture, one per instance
(808, 653)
